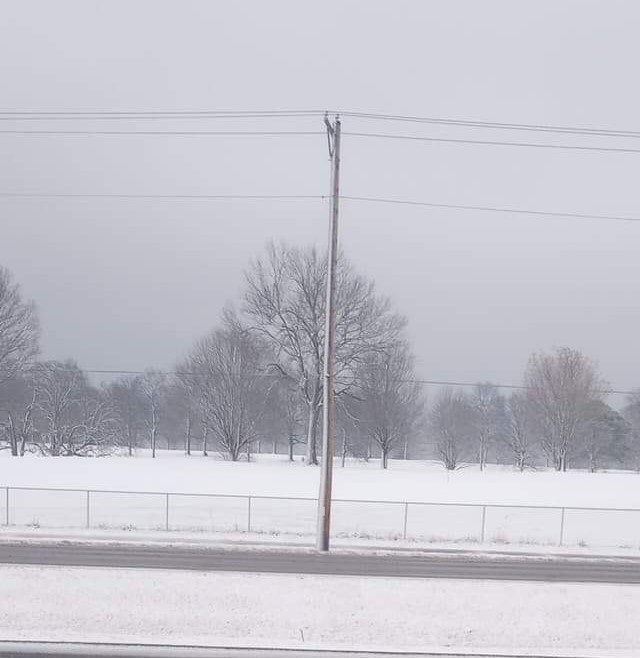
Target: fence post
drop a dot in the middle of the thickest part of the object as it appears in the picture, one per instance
(406, 515)
(7, 508)
(166, 512)
(484, 519)
(88, 509)
(562, 527)
(248, 513)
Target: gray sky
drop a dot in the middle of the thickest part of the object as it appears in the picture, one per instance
(131, 283)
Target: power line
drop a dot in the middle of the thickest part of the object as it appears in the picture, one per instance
(435, 382)
(280, 133)
(425, 382)
(495, 209)
(100, 115)
(179, 133)
(447, 140)
(302, 197)
(474, 123)
(188, 197)
(154, 114)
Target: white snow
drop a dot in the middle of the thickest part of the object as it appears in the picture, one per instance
(157, 606)
(245, 541)
(274, 476)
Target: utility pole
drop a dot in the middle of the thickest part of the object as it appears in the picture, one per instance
(328, 400)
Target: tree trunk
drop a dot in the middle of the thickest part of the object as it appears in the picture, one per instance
(188, 437)
(562, 463)
(312, 430)
(275, 446)
(405, 449)
(344, 447)
(291, 448)
(482, 455)
(259, 447)
(13, 439)
(384, 457)
(205, 433)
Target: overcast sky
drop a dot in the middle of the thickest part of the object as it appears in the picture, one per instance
(132, 283)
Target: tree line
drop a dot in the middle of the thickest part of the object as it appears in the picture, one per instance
(255, 383)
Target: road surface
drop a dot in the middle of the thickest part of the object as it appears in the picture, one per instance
(76, 650)
(428, 565)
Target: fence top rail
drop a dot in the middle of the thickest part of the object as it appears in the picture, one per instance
(415, 503)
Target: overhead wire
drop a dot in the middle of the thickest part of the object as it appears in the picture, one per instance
(427, 382)
(99, 115)
(487, 142)
(493, 209)
(204, 197)
(302, 197)
(294, 133)
(474, 123)
(179, 133)
(137, 115)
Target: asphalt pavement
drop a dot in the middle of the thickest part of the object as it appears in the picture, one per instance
(427, 565)
(86, 650)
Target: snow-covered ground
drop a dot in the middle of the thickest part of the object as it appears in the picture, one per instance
(157, 606)
(355, 487)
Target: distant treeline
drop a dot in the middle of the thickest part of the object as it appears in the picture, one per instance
(255, 384)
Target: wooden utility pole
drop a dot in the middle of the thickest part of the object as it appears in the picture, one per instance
(328, 403)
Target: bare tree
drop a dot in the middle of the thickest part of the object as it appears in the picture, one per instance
(520, 433)
(391, 402)
(631, 414)
(605, 437)
(285, 299)
(488, 417)
(58, 392)
(187, 395)
(153, 386)
(284, 416)
(231, 364)
(348, 409)
(19, 333)
(19, 328)
(97, 432)
(128, 402)
(73, 418)
(451, 424)
(562, 389)
(17, 401)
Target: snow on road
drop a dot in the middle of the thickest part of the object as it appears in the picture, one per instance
(90, 604)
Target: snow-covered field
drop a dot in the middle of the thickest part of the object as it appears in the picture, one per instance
(157, 606)
(356, 486)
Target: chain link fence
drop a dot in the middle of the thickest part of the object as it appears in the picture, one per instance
(370, 519)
